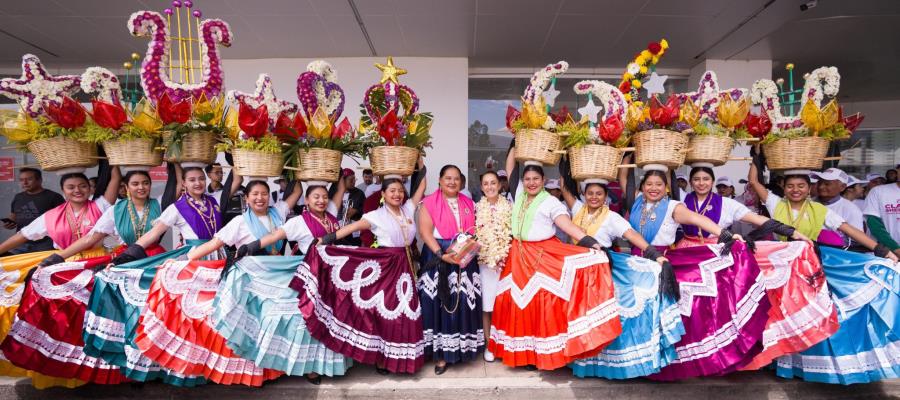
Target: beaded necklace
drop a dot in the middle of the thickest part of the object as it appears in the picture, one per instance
(206, 213)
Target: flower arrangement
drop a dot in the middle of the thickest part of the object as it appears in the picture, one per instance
(611, 126)
(492, 228)
(316, 124)
(390, 115)
(710, 111)
(657, 115)
(642, 64)
(535, 112)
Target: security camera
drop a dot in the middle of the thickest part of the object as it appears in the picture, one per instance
(809, 4)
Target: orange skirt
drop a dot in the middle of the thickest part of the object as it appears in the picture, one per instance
(555, 304)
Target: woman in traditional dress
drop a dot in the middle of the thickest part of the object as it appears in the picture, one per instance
(448, 292)
(493, 214)
(722, 298)
(181, 338)
(258, 313)
(50, 316)
(362, 302)
(651, 323)
(555, 301)
(865, 289)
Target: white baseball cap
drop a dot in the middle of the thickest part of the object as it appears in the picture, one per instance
(813, 178)
(724, 181)
(502, 173)
(551, 184)
(855, 181)
(832, 174)
(873, 176)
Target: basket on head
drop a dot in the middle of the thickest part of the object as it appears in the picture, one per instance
(538, 145)
(798, 153)
(660, 146)
(393, 160)
(62, 153)
(197, 147)
(712, 149)
(595, 161)
(140, 151)
(318, 164)
(257, 163)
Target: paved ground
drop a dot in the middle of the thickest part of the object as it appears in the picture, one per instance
(477, 380)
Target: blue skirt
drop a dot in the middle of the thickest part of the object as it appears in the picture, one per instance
(453, 332)
(110, 322)
(866, 348)
(259, 316)
(651, 324)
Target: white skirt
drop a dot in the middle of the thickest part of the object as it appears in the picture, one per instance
(489, 279)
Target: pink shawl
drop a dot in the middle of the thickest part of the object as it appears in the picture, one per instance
(58, 227)
(442, 215)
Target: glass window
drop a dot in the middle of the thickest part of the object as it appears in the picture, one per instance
(870, 150)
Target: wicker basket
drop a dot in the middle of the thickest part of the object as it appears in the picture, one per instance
(660, 146)
(595, 161)
(715, 150)
(538, 145)
(61, 152)
(197, 147)
(800, 153)
(393, 160)
(257, 163)
(317, 164)
(132, 152)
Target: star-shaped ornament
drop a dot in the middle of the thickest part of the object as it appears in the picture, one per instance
(550, 95)
(264, 94)
(37, 87)
(390, 72)
(590, 111)
(655, 84)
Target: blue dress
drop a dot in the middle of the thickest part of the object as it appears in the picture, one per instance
(866, 348)
(651, 324)
(258, 314)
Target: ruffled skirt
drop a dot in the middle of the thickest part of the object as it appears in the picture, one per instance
(866, 347)
(453, 331)
(175, 329)
(258, 315)
(362, 303)
(555, 304)
(651, 324)
(724, 310)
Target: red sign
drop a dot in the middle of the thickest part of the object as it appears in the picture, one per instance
(7, 173)
(159, 173)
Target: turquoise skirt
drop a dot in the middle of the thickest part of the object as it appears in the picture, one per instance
(258, 315)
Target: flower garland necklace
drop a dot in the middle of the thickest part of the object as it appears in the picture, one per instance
(139, 225)
(492, 228)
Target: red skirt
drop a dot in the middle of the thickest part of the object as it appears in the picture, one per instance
(802, 312)
(175, 330)
(46, 335)
(555, 304)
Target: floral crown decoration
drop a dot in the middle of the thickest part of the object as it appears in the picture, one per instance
(390, 112)
(711, 111)
(537, 101)
(611, 124)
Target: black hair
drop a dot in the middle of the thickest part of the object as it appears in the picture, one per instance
(311, 188)
(535, 168)
(37, 173)
(481, 178)
(598, 184)
(209, 167)
(367, 171)
(132, 173)
(653, 172)
(72, 175)
(185, 170)
(387, 182)
(798, 176)
(256, 182)
(93, 179)
(447, 167)
(708, 170)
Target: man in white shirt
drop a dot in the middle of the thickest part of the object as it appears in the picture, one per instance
(373, 187)
(832, 183)
(682, 182)
(368, 178)
(216, 175)
(883, 215)
(725, 187)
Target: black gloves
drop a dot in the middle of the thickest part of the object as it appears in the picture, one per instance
(725, 237)
(588, 241)
(134, 252)
(651, 253)
(51, 260)
(880, 250)
(248, 249)
(328, 239)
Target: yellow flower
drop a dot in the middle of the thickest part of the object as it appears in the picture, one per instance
(816, 119)
(534, 114)
(17, 126)
(640, 60)
(627, 96)
(644, 69)
(320, 124)
(646, 54)
(145, 117)
(664, 44)
(655, 59)
(626, 77)
(636, 83)
(202, 107)
(731, 113)
(633, 115)
(690, 113)
(232, 128)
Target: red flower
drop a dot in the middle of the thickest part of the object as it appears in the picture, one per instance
(287, 129)
(852, 122)
(654, 48)
(111, 116)
(388, 127)
(343, 129)
(253, 121)
(610, 129)
(69, 114)
(561, 116)
(758, 125)
(170, 112)
(664, 115)
(511, 115)
(625, 87)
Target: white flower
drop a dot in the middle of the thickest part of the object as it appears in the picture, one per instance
(493, 231)
(633, 68)
(101, 81)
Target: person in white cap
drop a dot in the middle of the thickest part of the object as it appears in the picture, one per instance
(725, 187)
(832, 183)
(856, 192)
(552, 186)
(883, 215)
(875, 179)
(813, 187)
(682, 185)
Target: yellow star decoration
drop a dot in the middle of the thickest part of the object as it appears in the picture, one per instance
(389, 72)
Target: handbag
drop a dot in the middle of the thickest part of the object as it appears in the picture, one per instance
(463, 249)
